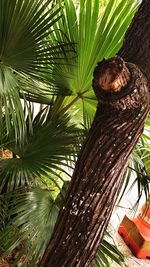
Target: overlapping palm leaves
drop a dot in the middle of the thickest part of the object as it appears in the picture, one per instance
(138, 172)
(95, 36)
(42, 152)
(108, 253)
(35, 60)
(31, 222)
(26, 52)
(31, 219)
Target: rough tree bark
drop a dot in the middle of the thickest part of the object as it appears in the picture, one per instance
(122, 91)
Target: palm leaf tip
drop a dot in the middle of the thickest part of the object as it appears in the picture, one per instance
(23, 29)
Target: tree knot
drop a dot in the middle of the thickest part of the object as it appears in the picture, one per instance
(120, 84)
(111, 76)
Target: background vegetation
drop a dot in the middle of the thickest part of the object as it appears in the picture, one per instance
(48, 51)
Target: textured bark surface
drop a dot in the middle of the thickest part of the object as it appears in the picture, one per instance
(96, 181)
(136, 48)
(97, 178)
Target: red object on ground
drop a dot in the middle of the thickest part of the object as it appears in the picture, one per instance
(136, 232)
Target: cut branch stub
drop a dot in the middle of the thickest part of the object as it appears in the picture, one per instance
(125, 87)
(111, 75)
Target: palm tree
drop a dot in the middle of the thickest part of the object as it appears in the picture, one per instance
(48, 54)
(117, 125)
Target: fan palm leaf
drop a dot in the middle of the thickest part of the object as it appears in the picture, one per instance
(26, 52)
(33, 216)
(47, 151)
(28, 68)
(94, 36)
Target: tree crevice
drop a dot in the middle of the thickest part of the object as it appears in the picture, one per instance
(98, 174)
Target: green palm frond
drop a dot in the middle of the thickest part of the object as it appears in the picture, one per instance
(31, 217)
(91, 36)
(137, 174)
(24, 25)
(145, 147)
(26, 52)
(108, 253)
(94, 36)
(46, 49)
(44, 152)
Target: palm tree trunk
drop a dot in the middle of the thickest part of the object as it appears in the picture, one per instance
(123, 103)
